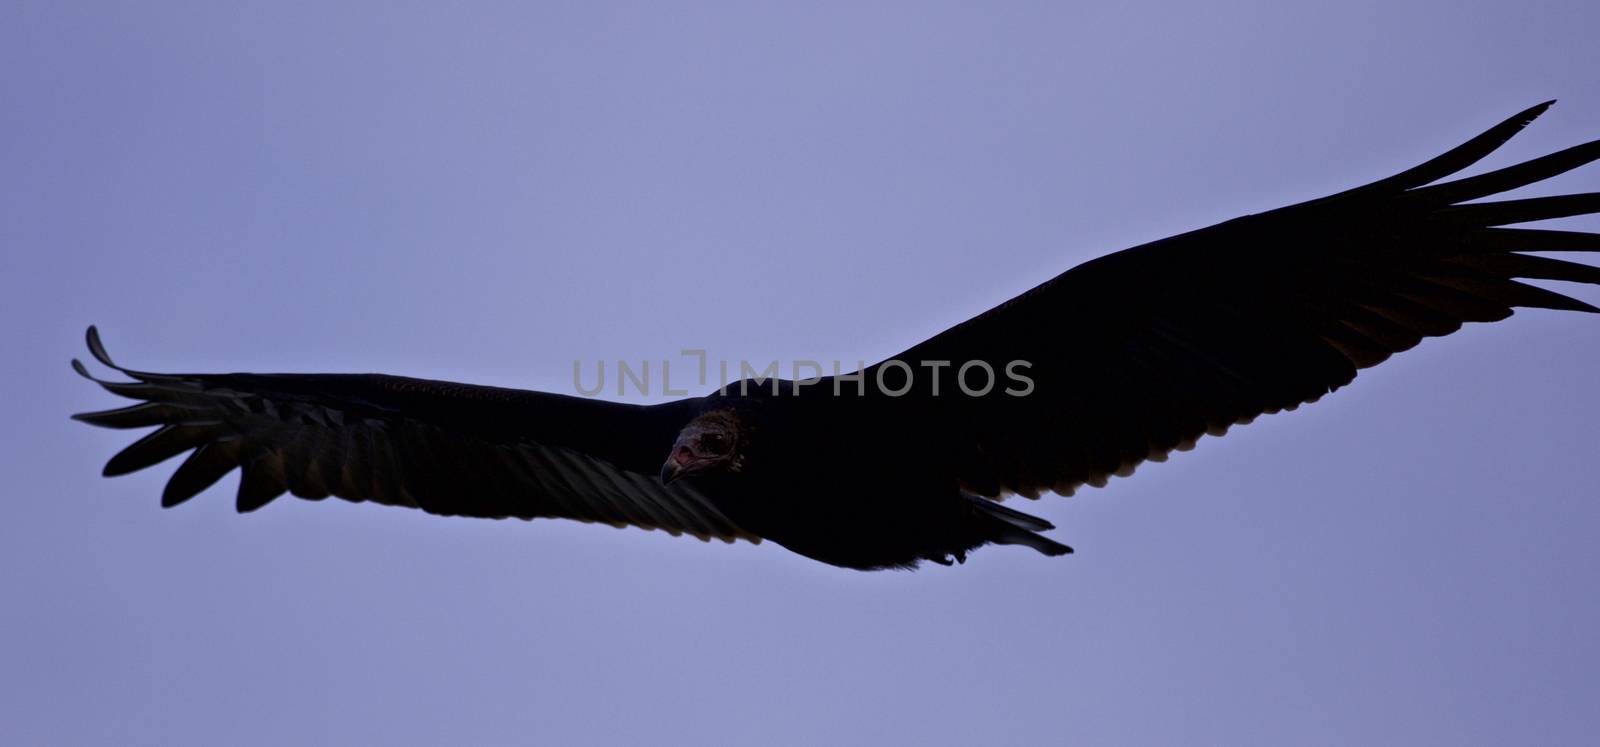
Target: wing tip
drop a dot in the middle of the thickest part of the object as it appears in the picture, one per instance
(1457, 158)
(97, 348)
(1581, 306)
(1531, 113)
(172, 498)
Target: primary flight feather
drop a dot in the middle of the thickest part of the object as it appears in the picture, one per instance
(1127, 357)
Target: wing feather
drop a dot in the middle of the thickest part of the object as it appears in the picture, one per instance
(1141, 352)
(449, 449)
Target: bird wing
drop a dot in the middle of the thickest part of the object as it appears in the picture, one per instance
(1143, 351)
(446, 448)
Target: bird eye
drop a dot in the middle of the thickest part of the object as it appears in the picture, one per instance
(714, 443)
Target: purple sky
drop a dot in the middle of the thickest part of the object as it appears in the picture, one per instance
(487, 195)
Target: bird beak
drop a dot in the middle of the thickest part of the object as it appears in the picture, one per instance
(671, 471)
(680, 464)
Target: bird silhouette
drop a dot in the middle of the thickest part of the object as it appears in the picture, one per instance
(1120, 360)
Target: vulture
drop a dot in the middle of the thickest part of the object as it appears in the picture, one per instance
(1119, 360)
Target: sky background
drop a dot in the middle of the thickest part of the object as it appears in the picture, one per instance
(486, 192)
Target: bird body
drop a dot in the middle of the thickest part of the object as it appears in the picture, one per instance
(1125, 359)
(873, 497)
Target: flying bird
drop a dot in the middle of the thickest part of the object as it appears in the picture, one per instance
(1128, 357)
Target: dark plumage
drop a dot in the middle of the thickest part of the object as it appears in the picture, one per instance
(1131, 356)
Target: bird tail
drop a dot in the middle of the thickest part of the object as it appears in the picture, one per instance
(1009, 526)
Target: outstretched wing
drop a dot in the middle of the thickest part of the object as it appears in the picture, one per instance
(450, 449)
(1141, 352)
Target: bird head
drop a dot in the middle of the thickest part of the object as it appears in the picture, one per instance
(711, 444)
